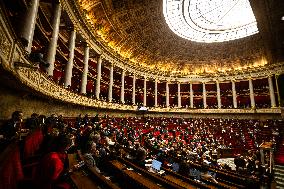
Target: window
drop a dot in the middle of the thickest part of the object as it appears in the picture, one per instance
(210, 20)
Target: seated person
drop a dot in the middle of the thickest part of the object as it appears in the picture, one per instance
(140, 155)
(194, 173)
(184, 169)
(89, 152)
(206, 176)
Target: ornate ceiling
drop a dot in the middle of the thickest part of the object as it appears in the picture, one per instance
(137, 30)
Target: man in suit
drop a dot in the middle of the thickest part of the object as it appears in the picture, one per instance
(12, 126)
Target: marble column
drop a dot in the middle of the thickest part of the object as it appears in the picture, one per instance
(271, 92)
(277, 88)
(85, 70)
(110, 83)
(133, 89)
(28, 28)
(50, 57)
(234, 93)
(69, 65)
(99, 75)
(122, 87)
(145, 92)
(218, 95)
(251, 94)
(204, 95)
(167, 95)
(191, 95)
(156, 93)
(179, 96)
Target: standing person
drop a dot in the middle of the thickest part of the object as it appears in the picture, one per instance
(32, 122)
(53, 167)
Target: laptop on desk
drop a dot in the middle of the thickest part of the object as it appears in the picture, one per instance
(156, 167)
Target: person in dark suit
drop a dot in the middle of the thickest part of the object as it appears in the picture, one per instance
(32, 122)
(12, 126)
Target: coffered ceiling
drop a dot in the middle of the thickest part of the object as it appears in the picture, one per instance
(137, 31)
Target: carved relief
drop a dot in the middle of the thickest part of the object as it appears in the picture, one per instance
(5, 44)
(39, 82)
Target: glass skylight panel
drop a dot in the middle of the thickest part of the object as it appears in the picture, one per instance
(210, 20)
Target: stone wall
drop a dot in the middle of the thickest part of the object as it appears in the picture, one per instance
(260, 116)
(11, 100)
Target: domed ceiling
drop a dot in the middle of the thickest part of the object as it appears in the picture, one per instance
(138, 31)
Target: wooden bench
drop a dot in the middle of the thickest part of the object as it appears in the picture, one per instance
(133, 178)
(155, 177)
(95, 176)
(79, 177)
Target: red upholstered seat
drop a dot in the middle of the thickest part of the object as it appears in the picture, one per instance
(11, 168)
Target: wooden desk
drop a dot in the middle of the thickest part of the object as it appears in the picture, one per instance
(138, 178)
(178, 182)
(153, 176)
(79, 178)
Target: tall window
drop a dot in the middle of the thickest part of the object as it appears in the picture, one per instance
(210, 20)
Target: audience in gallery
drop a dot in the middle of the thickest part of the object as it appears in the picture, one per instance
(191, 141)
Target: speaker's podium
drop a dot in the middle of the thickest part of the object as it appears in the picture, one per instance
(266, 154)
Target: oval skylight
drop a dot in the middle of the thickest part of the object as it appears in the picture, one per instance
(210, 20)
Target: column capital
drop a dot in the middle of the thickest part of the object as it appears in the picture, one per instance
(101, 56)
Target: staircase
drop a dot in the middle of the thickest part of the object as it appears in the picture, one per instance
(279, 154)
(279, 176)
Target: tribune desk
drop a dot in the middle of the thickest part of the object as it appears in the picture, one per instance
(267, 147)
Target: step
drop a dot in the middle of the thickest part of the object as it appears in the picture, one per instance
(281, 184)
(279, 174)
(278, 170)
(279, 167)
(280, 179)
